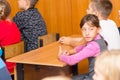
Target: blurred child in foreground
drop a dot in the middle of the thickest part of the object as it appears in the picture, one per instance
(107, 66)
(4, 73)
(57, 78)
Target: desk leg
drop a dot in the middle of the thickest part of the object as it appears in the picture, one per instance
(20, 71)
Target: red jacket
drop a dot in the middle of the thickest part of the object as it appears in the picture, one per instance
(9, 34)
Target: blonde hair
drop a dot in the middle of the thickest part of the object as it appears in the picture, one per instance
(57, 78)
(5, 9)
(108, 64)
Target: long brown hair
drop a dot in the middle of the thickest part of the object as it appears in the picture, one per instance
(92, 19)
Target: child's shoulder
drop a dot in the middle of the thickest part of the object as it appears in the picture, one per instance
(107, 21)
(111, 21)
(28, 12)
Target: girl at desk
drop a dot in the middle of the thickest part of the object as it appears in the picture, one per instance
(4, 74)
(95, 44)
(9, 32)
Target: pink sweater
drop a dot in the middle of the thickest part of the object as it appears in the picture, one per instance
(91, 49)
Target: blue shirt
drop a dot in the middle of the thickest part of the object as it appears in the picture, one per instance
(0, 51)
(2, 64)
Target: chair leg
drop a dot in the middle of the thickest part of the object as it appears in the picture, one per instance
(57, 36)
(74, 69)
(20, 71)
(12, 76)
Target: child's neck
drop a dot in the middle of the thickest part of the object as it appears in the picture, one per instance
(27, 7)
(102, 18)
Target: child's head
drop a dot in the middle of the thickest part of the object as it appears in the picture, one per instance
(57, 78)
(90, 27)
(5, 9)
(107, 66)
(101, 8)
(2, 0)
(25, 4)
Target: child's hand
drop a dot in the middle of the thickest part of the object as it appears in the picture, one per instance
(61, 52)
(119, 13)
(72, 51)
(65, 40)
(66, 52)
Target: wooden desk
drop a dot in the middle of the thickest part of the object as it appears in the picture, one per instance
(40, 63)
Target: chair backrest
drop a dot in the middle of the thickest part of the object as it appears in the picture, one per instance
(47, 39)
(119, 29)
(12, 50)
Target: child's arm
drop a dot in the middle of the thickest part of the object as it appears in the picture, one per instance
(61, 51)
(119, 13)
(65, 40)
(72, 41)
(90, 50)
(66, 52)
(72, 51)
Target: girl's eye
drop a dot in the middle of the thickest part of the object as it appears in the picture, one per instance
(91, 28)
(83, 29)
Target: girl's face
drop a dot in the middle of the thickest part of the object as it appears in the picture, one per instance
(98, 75)
(22, 4)
(89, 32)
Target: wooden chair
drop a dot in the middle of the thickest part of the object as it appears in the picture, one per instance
(119, 29)
(11, 51)
(47, 39)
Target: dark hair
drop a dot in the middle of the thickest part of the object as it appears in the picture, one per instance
(5, 9)
(104, 7)
(33, 3)
(90, 18)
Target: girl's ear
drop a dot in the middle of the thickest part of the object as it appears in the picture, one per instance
(96, 13)
(99, 30)
(28, 2)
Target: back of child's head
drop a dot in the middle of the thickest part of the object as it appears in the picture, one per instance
(103, 7)
(33, 3)
(108, 64)
(5, 9)
(91, 19)
(2, 0)
(57, 78)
